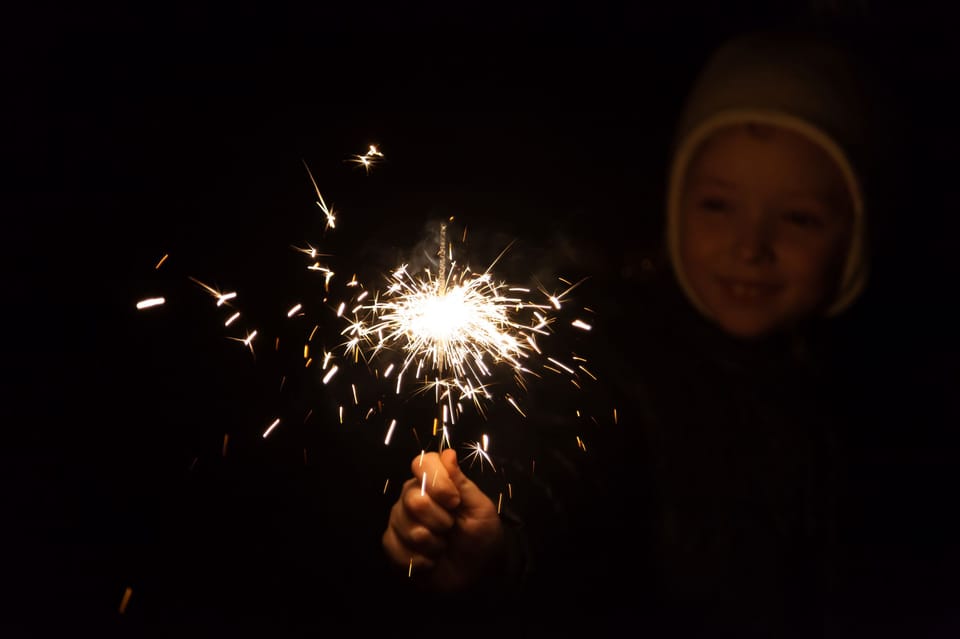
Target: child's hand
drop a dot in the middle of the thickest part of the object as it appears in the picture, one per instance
(443, 527)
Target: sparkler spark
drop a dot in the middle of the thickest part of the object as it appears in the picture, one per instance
(147, 303)
(246, 341)
(478, 452)
(267, 432)
(327, 211)
(222, 298)
(368, 159)
(125, 600)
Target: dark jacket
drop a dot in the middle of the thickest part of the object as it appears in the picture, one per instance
(713, 503)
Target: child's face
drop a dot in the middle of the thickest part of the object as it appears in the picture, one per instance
(765, 222)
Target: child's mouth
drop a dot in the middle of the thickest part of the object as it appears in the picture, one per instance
(748, 292)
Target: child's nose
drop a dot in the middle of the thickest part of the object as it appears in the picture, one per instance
(753, 242)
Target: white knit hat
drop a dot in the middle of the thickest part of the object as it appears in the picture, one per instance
(801, 84)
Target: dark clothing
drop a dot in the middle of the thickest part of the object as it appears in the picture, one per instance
(713, 501)
(744, 464)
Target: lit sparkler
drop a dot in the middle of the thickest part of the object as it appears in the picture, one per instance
(462, 337)
(453, 329)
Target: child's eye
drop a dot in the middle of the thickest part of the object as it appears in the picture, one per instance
(804, 219)
(714, 204)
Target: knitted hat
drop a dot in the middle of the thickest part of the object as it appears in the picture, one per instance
(801, 84)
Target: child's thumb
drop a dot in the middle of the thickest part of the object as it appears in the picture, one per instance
(470, 494)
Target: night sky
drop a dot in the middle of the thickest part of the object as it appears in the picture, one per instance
(140, 132)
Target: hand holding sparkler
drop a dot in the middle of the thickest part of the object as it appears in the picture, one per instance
(443, 529)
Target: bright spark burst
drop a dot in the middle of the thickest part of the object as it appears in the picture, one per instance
(453, 330)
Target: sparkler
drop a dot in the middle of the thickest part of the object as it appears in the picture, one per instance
(465, 338)
(445, 330)
(453, 329)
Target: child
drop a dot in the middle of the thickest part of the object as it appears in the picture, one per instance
(713, 506)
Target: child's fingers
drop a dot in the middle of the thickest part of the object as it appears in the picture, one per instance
(428, 469)
(417, 507)
(472, 499)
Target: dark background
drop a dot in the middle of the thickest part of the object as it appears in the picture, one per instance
(183, 129)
